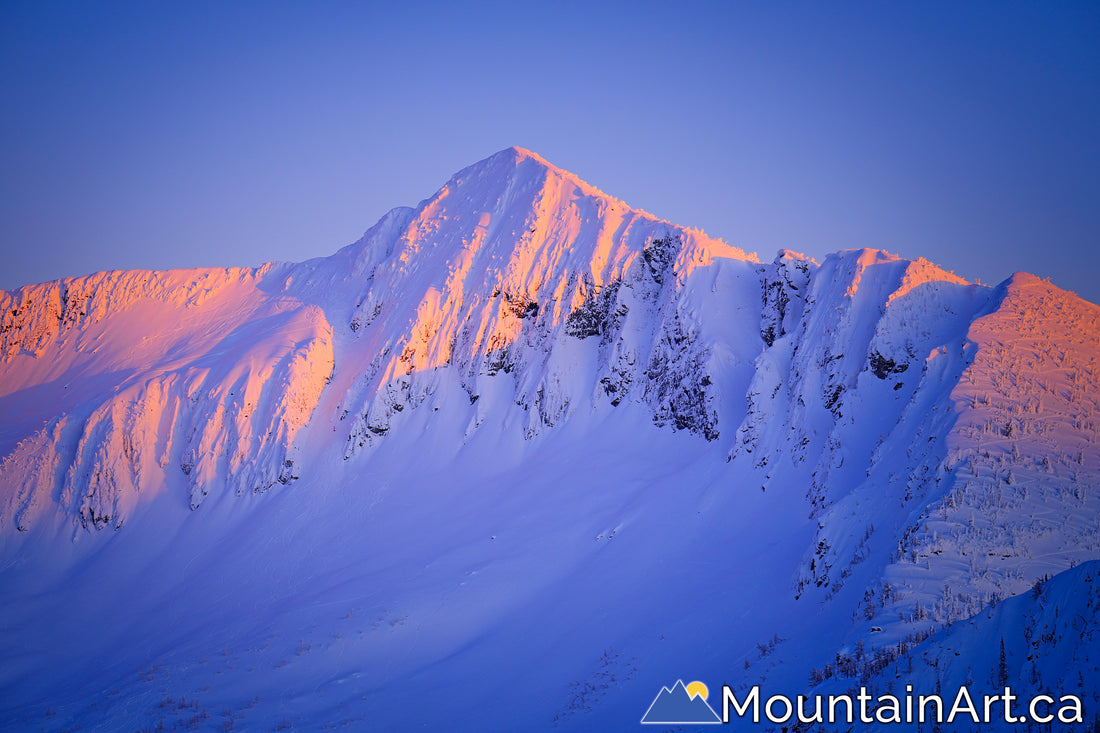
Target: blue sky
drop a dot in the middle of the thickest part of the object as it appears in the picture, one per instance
(155, 135)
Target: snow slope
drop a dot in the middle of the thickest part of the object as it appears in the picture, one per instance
(520, 457)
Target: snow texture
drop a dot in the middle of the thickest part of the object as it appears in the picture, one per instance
(538, 454)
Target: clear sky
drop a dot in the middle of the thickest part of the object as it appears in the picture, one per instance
(156, 134)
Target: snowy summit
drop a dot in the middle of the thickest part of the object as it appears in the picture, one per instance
(523, 455)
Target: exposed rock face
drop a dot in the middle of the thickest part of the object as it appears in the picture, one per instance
(934, 444)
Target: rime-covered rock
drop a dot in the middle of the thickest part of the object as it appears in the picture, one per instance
(524, 394)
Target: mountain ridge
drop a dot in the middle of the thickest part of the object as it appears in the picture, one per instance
(913, 447)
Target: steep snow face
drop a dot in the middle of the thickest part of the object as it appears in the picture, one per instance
(985, 475)
(521, 422)
(117, 386)
(517, 268)
(957, 474)
(835, 380)
(1015, 498)
(946, 433)
(516, 280)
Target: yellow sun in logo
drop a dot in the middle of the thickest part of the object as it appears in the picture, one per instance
(697, 688)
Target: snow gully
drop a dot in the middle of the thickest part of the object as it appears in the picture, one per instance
(908, 708)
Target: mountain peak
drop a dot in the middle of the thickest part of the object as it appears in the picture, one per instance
(510, 156)
(515, 165)
(517, 155)
(521, 153)
(476, 400)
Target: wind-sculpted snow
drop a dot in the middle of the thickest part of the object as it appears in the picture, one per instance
(946, 433)
(518, 271)
(515, 278)
(1018, 497)
(991, 461)
(139, 382)
(524, 437)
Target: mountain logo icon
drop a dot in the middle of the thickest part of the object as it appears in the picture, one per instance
(681, 705)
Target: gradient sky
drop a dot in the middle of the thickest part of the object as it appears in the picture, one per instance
(157, 135)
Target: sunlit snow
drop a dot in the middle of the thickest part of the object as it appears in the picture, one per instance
(522, 456)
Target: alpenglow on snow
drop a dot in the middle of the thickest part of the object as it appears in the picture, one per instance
(521, 455)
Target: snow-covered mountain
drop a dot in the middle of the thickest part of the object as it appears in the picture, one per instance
(521, 457)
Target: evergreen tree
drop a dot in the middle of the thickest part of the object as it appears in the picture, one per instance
(1002, 666)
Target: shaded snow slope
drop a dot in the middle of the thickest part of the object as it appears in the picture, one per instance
(521, 437)
(1044, 641)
